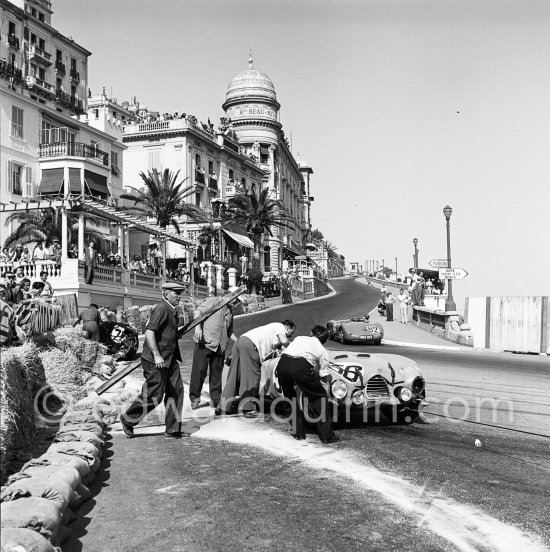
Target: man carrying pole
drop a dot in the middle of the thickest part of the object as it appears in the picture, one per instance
(159, 359)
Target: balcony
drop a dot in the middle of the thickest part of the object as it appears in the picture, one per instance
(212, 185)
(199, 176)
(60, 68)
(74, 75)
(12, 42)
(9, 71)
(233, 188)
(68, 101)
(36, 83)
(39, 55)
(74, 149)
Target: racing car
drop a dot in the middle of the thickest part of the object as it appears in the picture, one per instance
(358, 330)
(120, 338)
(393, 384)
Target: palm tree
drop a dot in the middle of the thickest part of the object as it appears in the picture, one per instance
(45, 224)
(330, 249)
(208, 234)
(258, 213)
(164, 199)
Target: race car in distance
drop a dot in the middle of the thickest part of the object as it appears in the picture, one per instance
(358, 330)
(393, 384)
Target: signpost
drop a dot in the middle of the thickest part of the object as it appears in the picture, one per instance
(439, 263)
(452, 273)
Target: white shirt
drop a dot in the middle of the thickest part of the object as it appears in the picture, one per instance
(311, 349)
(40, 254)
(264, 337)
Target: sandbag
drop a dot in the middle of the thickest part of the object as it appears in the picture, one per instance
(46, 470)
(39, 514)
(54, 489)
(84, 436)
(82, 417)
(89, 402)
(89, 426)
(60, 459)
(84, 450)
(128, 395)
(25, 540)
(80, 495)
(109, 413)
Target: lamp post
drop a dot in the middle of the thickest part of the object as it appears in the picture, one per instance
(396, 269)
(415, 257)
(449, 302)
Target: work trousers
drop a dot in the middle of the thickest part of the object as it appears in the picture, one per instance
(160, 383)
(298, 371)
(389, 312)
(404, 313)
(203, 359)
(243, 379)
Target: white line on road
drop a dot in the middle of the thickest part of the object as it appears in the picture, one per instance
(465, 526)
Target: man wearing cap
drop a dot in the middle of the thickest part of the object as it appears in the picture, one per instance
(211, 340)
(159, 360)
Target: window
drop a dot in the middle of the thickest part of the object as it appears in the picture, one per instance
(197, 161)
(41, 16)
(96, 113)
(154, 159)
(42, 73)
(12, 59)
(73, 91)
(29, 182)
(11, 28)
(114, 157)
(210, 167)
(33, 12)
(58, 84)
(42, 44)
(15, 171)
(198, 199)
(231, 174)
(73, 64)
(33, 38)
(16, 122)
(58, 55)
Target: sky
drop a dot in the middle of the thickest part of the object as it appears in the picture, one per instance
(400, 107)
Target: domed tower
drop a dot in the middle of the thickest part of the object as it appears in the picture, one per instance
(252, 106)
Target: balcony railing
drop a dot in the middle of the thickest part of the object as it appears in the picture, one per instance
(60, 68)
(75, 75)
(233, 188)
(39, 55)
(39, 84)
(68, 101)
(13, 42)
(8, 70)
(74, 149)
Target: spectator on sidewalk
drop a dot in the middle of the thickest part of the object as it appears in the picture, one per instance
(211, 340)
(403, 300)
(40, 252)
(90, 263)
(390, 300)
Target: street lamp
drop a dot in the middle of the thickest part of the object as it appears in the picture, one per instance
(396, 269)
(415, 257)
(449, 302)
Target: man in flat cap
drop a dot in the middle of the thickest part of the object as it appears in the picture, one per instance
(159, 360)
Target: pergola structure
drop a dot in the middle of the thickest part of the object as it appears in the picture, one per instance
(83, 205)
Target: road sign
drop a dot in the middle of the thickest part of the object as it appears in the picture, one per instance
(438, 263)
(452, 273)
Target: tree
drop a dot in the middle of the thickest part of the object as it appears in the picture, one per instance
(208, 234)
(258, 213)
(164, 199)
(317, 235)
(45, 224)
(331, 250)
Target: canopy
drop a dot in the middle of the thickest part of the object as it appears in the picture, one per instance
(245, 241)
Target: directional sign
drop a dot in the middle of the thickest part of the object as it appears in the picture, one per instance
(452, 273)
(438, 263)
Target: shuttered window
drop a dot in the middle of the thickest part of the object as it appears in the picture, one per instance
(15, 173)
(16, 122)
(155, 161)
(28, 182)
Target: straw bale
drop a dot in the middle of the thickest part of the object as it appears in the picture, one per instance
(145, 314)
(87, 351)
(16, 409)
(134, 317)
(65, 374)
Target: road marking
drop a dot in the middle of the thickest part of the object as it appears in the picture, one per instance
(465, 526)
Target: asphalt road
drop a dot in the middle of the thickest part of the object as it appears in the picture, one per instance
(246, 485)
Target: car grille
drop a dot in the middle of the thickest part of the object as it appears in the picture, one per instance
(377, 388)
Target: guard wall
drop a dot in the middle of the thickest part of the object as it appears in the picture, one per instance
(520, 324)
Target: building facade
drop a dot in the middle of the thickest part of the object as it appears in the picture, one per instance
(252, 107)
(46, 146)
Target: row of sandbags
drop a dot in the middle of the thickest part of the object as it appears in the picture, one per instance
(38, 501)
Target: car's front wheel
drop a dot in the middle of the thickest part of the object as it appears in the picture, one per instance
(341, 337)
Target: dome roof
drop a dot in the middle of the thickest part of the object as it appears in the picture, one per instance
(250, 83)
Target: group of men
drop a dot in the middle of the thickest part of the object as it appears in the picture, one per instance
(303, 364)
(17, 288)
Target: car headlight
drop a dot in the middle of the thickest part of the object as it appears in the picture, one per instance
(405, 394)
(339, 389)
(357, 397)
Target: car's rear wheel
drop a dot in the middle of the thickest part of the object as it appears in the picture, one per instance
(128, 348)
(401, 415)
(330, 334)
(341, 337)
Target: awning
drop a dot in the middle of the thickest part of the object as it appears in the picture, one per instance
(51, 181)
(96, 183)
(245, 241)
